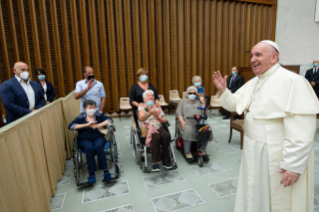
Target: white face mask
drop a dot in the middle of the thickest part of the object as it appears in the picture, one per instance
(91, 112)
(24, 75)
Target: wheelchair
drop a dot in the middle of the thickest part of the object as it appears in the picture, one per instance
(140, 149)
(110, 149)
(200, 136)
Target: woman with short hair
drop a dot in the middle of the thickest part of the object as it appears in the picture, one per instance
(90, 139)
(197, 81)
(151, 118)
(137, 90)
(188, 108)
(47, 86)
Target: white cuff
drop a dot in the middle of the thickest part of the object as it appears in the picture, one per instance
(296, 155)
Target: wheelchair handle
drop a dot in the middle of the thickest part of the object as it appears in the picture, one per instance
(111, 127)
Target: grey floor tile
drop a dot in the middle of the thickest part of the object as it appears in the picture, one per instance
(210, 168)
(316, 195)
(237, 160)
(162, 179)
(105, 191)
(66, 179)
(225, 188)
(316, 164)
(177, 201)
(57, 201)
(126, 208)
(229, 149)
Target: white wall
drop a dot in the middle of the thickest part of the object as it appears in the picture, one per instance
(297, 33)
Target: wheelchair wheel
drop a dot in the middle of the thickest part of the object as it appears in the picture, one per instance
(200, 161)
(137, 150)
(117, 170)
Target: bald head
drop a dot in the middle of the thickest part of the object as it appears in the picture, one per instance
(315, 63)
(262, 57)
(20, 67)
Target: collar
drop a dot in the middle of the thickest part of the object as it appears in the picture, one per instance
(269, 72)
(86, 82)
(19, 79)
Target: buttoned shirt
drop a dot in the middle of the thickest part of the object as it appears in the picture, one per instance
(28, 90)
(95, 93)
(315, 70)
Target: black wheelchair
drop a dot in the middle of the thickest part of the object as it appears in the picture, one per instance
(140, 149)
(110, 149)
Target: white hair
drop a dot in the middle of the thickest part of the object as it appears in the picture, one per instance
(146, 92)
(195, 77)
(191, 88)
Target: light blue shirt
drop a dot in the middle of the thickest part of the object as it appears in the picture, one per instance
(95, 93)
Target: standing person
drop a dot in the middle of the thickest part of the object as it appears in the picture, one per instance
(90, 88)
(235, 81)
(21, 96)
(197, 81)
(312, 75)
(277, 165)
(49, 93)
(137, 90)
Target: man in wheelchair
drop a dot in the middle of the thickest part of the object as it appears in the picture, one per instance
(90, 139)
(151, 118)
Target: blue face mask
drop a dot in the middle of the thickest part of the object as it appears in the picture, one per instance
(144, 78)
(233, 72)
(191, 96)
(197, 84)
(150, 103)
(315, 64)
(41, 77)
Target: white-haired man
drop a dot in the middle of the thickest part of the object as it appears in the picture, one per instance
(276, 172)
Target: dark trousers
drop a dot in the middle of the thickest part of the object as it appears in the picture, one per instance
(158, 139)
(91, 148)
(227, 113)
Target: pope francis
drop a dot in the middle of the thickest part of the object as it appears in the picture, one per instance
(280, 107)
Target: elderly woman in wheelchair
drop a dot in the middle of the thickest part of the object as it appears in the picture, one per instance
(186, 113)
(90, 139)
(151, 119)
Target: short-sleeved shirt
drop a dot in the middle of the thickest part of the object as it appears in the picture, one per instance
(95, 93)
(151, 120)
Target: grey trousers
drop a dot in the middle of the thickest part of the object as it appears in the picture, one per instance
(187, 145)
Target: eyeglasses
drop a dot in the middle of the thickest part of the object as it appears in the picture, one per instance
(191, 93)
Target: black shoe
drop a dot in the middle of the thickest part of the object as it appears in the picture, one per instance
(206, 158)
(226, 117)
(156, 167)
(167, 166)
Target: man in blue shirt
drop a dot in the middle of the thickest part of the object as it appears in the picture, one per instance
(90, 88)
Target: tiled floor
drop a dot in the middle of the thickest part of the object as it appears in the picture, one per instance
(188, 188)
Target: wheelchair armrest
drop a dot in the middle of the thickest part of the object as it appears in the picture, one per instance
(166, 125)
(111, 127)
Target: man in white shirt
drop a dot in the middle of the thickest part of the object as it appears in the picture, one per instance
(90, 88)
(20, 95)
(312, 76)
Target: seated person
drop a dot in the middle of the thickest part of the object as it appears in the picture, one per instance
(150, 118)
(188, 108)
(197, 81)
(90, 139)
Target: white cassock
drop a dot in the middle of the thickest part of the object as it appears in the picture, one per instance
(278, 133)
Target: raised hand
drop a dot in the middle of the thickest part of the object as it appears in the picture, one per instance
(91, 84)
(219, 81)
